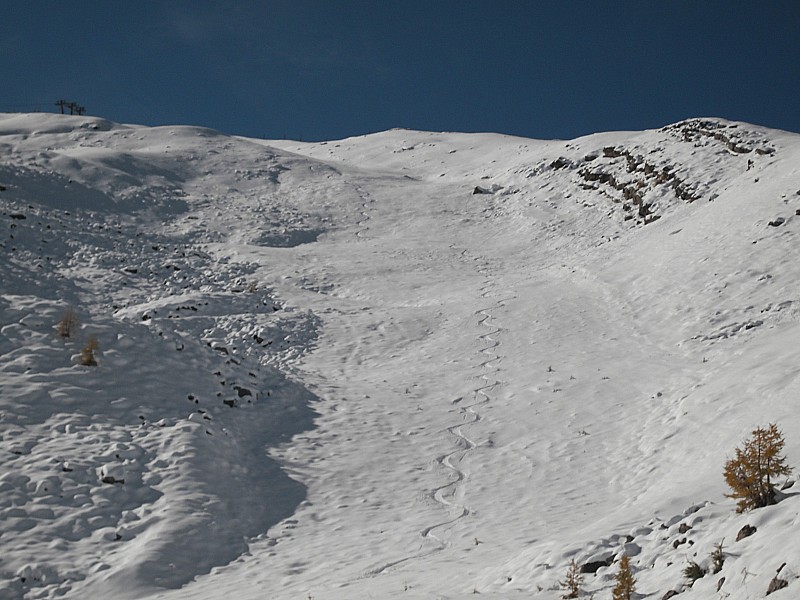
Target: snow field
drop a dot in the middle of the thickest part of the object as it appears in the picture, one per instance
(334, 370)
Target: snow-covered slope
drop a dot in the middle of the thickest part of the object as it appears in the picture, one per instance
(404, 365)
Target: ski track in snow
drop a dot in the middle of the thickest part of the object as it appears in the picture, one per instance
(464, 443)
(363, 211)
(445, 494)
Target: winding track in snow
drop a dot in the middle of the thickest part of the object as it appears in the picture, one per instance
(464, 444)
(365, 201)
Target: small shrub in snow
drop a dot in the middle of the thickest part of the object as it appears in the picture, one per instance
(751, 472)
(693, 572)
(572, 582)
(68, 324)
(88, 358)
(717, 559)
(626, 584)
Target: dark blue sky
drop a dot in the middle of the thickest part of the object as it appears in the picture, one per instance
(325, 69)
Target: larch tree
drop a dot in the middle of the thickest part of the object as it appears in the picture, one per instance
(751, 473)
(626, 584)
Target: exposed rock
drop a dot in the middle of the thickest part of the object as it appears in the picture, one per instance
(776, 584)
(777, 222)
(664, 176)
(242, 391)
(719, 583)
(632, 194)
(670, 594)
(480, 190)
(683, 528)
(746, 531)
(682, 192)
(599, 177)
(593, 566)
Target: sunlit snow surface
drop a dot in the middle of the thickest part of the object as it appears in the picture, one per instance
(405, 365)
